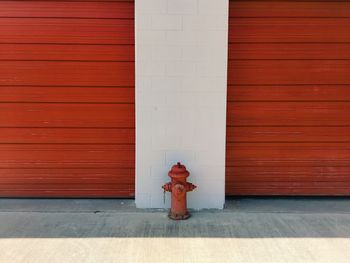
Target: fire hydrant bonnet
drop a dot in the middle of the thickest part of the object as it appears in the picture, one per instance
(178, 170)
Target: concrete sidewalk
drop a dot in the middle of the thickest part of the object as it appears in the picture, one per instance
(248, 230)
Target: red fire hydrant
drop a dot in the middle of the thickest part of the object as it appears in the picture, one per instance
(178, 188)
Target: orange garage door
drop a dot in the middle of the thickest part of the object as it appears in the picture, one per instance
(288, 126)
(67, 98)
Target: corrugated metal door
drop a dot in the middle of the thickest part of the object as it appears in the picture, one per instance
(288, 130)
(67, 98)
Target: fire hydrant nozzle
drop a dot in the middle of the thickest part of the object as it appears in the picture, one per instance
(167, 187)
(178, 188)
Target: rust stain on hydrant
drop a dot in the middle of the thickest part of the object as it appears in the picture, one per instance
(178, 188)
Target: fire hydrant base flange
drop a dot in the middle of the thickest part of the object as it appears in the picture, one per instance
(179, 217)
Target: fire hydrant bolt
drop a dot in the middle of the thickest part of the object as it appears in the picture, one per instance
(178, 188)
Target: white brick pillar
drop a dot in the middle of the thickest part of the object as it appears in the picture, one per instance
(181, 77)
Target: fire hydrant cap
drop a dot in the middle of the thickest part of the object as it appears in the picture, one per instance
(179, 170)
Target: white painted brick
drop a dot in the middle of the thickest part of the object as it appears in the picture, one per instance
(167, 141)
(149, 100)
(145, 180)
(181, 68)
(203, 53)
(181, 38)
(166, 22)
(203, 187)
(182, 6)
(181, 71)
(172, 128)
(143, 116)
(189, 138)
(180, 100)
(193, 52)
(144, 22)
(214, 115)
(143, 200)
(211, 38)
(210, 69)
(176, 132)
(218, 84)
(165, 83)
(209, 99)
(150, 7)
(198, 144)
(209, 201)
(152, 157)
(166, 53)
(160, 172)
(143, 54)
(212, 171)
(194, 83)
(158, 199)
(190, 83)
(213, 138)
(199, 199)
(211, 142)
(145, 37)
(143, 83)
(166, 116)
(183, 156)
(158, 131)
(184, 100)
(146, 143)
(217, 201)
(213, 7)
(207, 157)
(151, 68)
(200, 22)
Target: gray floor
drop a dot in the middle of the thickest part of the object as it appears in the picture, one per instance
(248, 230)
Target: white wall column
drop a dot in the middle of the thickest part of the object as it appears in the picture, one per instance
(181, 82)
